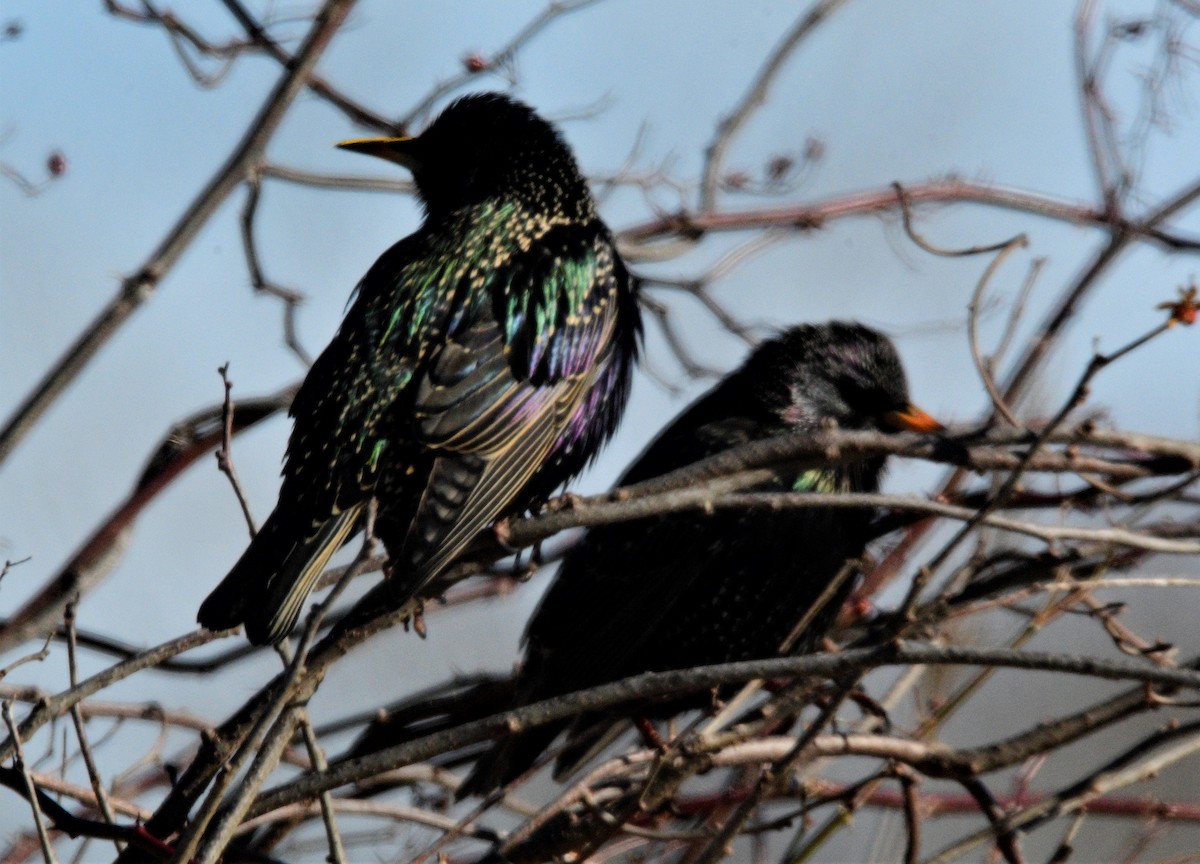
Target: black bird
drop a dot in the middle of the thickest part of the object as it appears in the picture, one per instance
(483, 361)
(688, 589)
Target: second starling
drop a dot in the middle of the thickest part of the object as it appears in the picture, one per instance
(688, 589)
(484, 360)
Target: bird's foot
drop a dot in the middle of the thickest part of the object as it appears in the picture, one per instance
(565, 501)
(416, 619)
(503, 534)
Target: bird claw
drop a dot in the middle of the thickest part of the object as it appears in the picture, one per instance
(415, 620)
(502, 532)
(565, 501)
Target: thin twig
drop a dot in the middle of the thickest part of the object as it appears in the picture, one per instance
(54, 707)
(208, 835)
(354, 110)
(1002, 248)
(337, 849)
(85, 746)
(984, 513)
(30, 788)
(982, 366)
(224, 453)
(716, 847)
(496, 61)
(183, 444)
(34, 657)
(804, 217)
(291, 299)
(756, 95)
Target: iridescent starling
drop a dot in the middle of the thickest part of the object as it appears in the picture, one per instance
(689, 589)
(484, 360)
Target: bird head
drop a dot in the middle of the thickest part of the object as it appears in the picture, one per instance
(484, 146)
(841, 372)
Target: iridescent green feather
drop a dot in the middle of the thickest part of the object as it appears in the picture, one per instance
(563, 292)
(471, 254)
(817, 480)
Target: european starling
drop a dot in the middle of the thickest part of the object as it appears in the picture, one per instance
(483, 361)
(688, 589)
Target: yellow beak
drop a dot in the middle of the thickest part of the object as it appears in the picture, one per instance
(391, 149)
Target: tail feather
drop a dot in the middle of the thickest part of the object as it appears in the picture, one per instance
(266, 588)
(271, 621)
(245, 584)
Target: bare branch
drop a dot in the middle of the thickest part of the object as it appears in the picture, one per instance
(85, 747)
(186, 442)
(666, 683)
(497, 61)
(31, 791)
(225, 452)
(140, 287)
(755, 96)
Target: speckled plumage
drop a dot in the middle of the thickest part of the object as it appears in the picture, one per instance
(689, 589)
(484, 360)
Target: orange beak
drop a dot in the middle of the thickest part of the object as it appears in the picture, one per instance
(912, 419)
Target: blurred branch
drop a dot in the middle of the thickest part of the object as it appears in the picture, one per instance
(986, 366)
(749, 464)
(337, 181)
(666, 322)
(184, 37)
(179, 31)
(259, 36)
(140, 287)
(28, 187)
(186, 442)
(698, 286)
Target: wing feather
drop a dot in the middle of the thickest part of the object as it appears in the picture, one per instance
(505, 473)
(511, 391)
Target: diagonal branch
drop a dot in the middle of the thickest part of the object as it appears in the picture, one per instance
(186, 442)
(140, 287)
